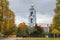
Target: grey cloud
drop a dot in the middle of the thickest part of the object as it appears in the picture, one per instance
(43, 7)
(21, 7)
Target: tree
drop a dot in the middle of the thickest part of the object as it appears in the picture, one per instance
(7, 22)
(37, 31)
(21, 25)
(40, 29)
(56, 19)
(22, 29)
(55, 31)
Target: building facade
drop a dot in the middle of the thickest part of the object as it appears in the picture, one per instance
(45, 27)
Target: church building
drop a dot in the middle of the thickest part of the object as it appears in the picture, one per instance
(32, 16)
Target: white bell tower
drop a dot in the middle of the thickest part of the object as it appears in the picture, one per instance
(32, 16)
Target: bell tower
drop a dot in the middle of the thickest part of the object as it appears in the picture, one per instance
(32, 16)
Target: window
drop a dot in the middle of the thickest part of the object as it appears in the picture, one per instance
(31, 13)
(31, 20)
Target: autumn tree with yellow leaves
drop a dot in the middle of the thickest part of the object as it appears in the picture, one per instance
(56, 19)
(7, 18)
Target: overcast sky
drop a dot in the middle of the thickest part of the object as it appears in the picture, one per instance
(44, 10)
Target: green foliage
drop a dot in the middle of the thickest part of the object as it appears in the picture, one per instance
(7, 19)
(55, 31)
(56, 19)
(31, 29)
(23, 32)
(58, 1)
(37, 31)
(11, 31)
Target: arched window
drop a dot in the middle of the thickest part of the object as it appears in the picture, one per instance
(31, 13)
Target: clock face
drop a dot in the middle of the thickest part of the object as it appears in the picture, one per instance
(0, 7)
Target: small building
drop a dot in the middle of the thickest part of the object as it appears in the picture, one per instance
(44, 26)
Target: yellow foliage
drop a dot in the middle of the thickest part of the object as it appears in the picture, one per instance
(9, 19)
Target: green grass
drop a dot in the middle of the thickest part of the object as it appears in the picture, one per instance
(20, 38)
(45, 39)
(39, 39)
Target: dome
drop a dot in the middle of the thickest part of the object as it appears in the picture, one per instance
(32, 5)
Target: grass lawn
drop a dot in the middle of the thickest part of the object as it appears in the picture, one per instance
(45, 39)
(30, 38)
(38, 39)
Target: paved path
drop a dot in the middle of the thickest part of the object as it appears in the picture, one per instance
(7, 38)
(12, 39)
